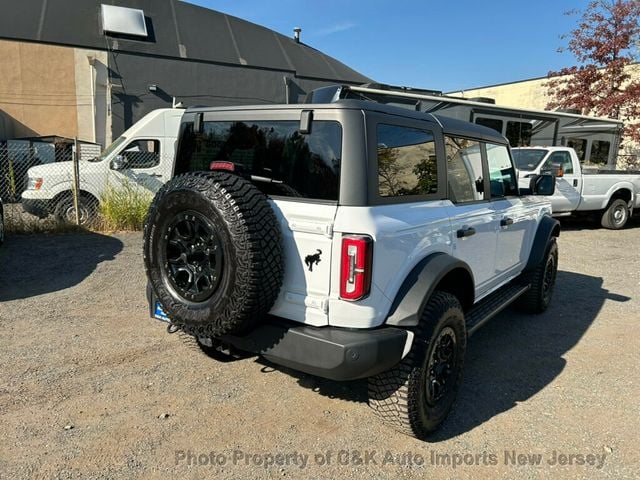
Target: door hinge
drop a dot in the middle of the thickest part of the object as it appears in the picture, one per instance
(325, 229)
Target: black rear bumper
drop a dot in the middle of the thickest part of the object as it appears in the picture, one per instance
(329, 352)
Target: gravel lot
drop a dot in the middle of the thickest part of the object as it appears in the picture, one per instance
(92, 388)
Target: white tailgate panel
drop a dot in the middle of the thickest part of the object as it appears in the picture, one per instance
(306, 231)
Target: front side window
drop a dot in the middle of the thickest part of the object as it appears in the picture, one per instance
(407, 162)
(559, 159)
(142, 154)
(464, 170)
(502, 175)
(278, 159)
(599, 151)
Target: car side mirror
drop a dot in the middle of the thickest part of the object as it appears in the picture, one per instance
(558, 171)
(555, 169)
(542, 185)
(118, 163)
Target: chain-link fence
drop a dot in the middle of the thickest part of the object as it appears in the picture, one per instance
(49, 186)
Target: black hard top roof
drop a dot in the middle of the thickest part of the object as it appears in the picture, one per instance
(450, 126)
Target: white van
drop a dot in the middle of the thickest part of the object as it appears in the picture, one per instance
(144, 155)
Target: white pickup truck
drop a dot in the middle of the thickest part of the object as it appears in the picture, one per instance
(613, 194)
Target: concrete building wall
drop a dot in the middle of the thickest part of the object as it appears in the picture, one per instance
(47, 90)
(526, 94)
(93, 96)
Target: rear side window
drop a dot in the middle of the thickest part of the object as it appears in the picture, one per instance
(279, 160)
(407, 162)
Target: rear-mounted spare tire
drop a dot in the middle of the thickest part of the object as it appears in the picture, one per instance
(213, 253)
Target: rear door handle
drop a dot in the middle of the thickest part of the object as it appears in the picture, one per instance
(575, 182)
(505, 222)
(466, 232)
(157, 175)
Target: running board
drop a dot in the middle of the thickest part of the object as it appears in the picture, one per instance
(493, 304)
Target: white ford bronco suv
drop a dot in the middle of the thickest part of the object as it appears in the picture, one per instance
(348, 240)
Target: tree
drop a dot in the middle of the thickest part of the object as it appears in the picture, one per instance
(388, 171)
(604, 44)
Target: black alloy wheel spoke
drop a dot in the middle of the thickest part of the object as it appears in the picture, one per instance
(194, 257)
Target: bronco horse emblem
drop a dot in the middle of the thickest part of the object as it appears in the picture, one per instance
(310, 260)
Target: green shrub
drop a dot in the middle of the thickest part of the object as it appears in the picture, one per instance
(124, 207)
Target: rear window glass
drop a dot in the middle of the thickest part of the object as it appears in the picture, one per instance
(278, 159)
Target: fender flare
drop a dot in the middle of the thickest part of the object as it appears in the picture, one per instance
(615, 189)
(548, 227)
(420, 284)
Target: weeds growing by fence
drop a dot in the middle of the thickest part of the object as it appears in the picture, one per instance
(124, 207)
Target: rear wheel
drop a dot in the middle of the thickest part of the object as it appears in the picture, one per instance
(416, 396)
(616, 215)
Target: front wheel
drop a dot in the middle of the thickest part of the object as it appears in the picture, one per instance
(416, 395)
(616, 215)
(65, 210)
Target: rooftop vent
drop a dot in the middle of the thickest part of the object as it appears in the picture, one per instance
(490, 100)
(296, 34)
(123, 21)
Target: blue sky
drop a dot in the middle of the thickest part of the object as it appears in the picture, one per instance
(442, 45)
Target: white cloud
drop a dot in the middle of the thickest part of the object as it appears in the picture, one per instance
(335, 28)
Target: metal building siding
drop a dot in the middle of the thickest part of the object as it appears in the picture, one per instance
(194, 32)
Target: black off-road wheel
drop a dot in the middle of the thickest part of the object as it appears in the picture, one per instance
(213, 253)
(616, 215)
(416, 396)
(542, 280)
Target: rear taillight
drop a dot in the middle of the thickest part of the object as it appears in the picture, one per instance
(217, 165)
(355, 269)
